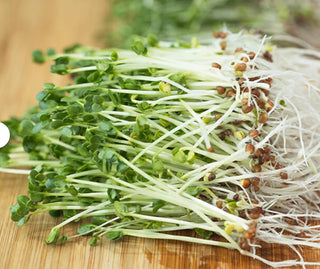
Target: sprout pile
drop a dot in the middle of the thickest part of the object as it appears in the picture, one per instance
(219, 137)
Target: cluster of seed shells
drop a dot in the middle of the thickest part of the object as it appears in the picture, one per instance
(259, 99)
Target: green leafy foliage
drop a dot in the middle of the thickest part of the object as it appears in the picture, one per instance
(120, 209)
(93, 241)
(38, 56)
(53, 236)
(157, 204)
(4, 159)
(139, 48)
(114, 235)
(203, 233)
(60, 69)
(86, 228)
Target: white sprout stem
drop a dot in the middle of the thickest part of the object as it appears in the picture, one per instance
(214, 227)
(15, 171)
(201, 123)
(60, 143)
(154, 235)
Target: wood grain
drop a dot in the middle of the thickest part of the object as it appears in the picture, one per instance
(27, 25)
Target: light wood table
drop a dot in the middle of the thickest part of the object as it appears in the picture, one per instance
(35, 24)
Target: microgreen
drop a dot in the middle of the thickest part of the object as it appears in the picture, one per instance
(142, 143)
(38, 56)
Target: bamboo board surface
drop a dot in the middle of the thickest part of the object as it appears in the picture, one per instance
(33, 24)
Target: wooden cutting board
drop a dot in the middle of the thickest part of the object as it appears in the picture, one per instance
(33, 24)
